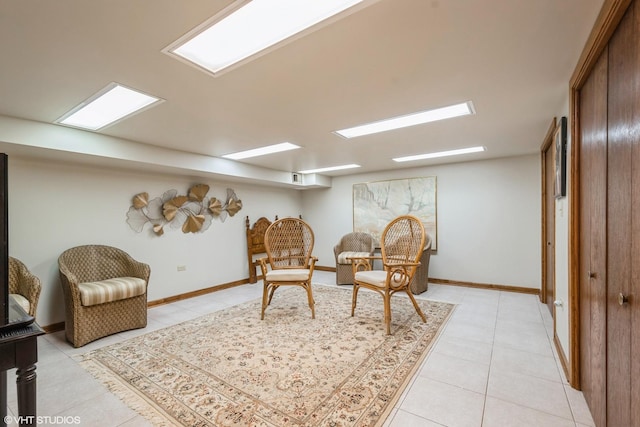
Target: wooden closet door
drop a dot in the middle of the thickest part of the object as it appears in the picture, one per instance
(623, 214)
(593, 239)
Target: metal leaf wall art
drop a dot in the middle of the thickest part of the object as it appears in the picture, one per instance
(192, 213)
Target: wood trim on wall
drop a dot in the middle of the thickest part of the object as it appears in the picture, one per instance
(506, 288)
(56, 327)
(60, 326)
(574, 245)
(197, 293)
(561, 355)
(607, 21)
(321, 268)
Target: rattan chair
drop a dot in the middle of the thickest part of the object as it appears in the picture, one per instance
(402, 244)
(356, 244)
(420, 282)
(105, 292)
(24, 287)
(289, 245)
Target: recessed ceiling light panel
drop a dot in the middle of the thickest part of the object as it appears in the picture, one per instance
(270, 149)
(330, 168)
(110, 105)
(249, 27)
(448, 112)
(440, 154)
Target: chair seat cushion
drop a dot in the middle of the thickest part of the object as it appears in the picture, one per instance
(376, 278)
(22, 301)
(343, 257)
(93, 293)
(288, 275)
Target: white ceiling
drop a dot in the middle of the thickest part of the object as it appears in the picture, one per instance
(512, 58)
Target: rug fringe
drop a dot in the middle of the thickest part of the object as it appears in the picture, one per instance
(143, 406)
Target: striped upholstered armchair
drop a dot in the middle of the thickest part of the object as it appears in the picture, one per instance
(105, 292)
(356, 244)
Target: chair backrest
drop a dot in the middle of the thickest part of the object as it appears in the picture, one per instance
(25, 283)
(357, 241)
(16, 271)
(403, 240)
(97, 262)
(289, 243)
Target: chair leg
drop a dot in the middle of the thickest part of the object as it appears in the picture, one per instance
(311, 301)
(354, 298)
(272, 290)
(387, 310)
(265, 291)
(416, 306)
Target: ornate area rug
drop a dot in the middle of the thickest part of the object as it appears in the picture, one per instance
(229, 368)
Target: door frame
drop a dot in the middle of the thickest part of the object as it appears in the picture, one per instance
(606, 23)
(546, 145)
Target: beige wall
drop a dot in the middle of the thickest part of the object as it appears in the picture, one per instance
(562, 326)
(488, 219)
(488, 223)
(55, 206)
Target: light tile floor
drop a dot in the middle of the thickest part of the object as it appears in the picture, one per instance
(494, 364)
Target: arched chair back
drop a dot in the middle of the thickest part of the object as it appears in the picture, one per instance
(402, 244)
(289, 245)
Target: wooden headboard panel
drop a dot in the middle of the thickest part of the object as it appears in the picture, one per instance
(255, 243)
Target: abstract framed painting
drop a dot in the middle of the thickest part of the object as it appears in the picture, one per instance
(375, 204)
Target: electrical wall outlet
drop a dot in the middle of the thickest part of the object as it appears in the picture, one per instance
(182, 267)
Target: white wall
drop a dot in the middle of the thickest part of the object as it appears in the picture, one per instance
(563, 213)
(488, 223)
(488, 216)
(562, 272)
(55, 206)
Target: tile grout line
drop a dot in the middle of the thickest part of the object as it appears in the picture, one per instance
(493, 343)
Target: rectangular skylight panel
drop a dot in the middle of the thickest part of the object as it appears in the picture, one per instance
(440, 154)
(330, 168)
(448, 112)
(253, 28)
(108, 106)
(270, 149)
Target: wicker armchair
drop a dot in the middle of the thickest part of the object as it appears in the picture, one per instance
(402, 245)
(24, 287)
(288, 243)
(356, 244)
(420, 282)
(105, 292)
